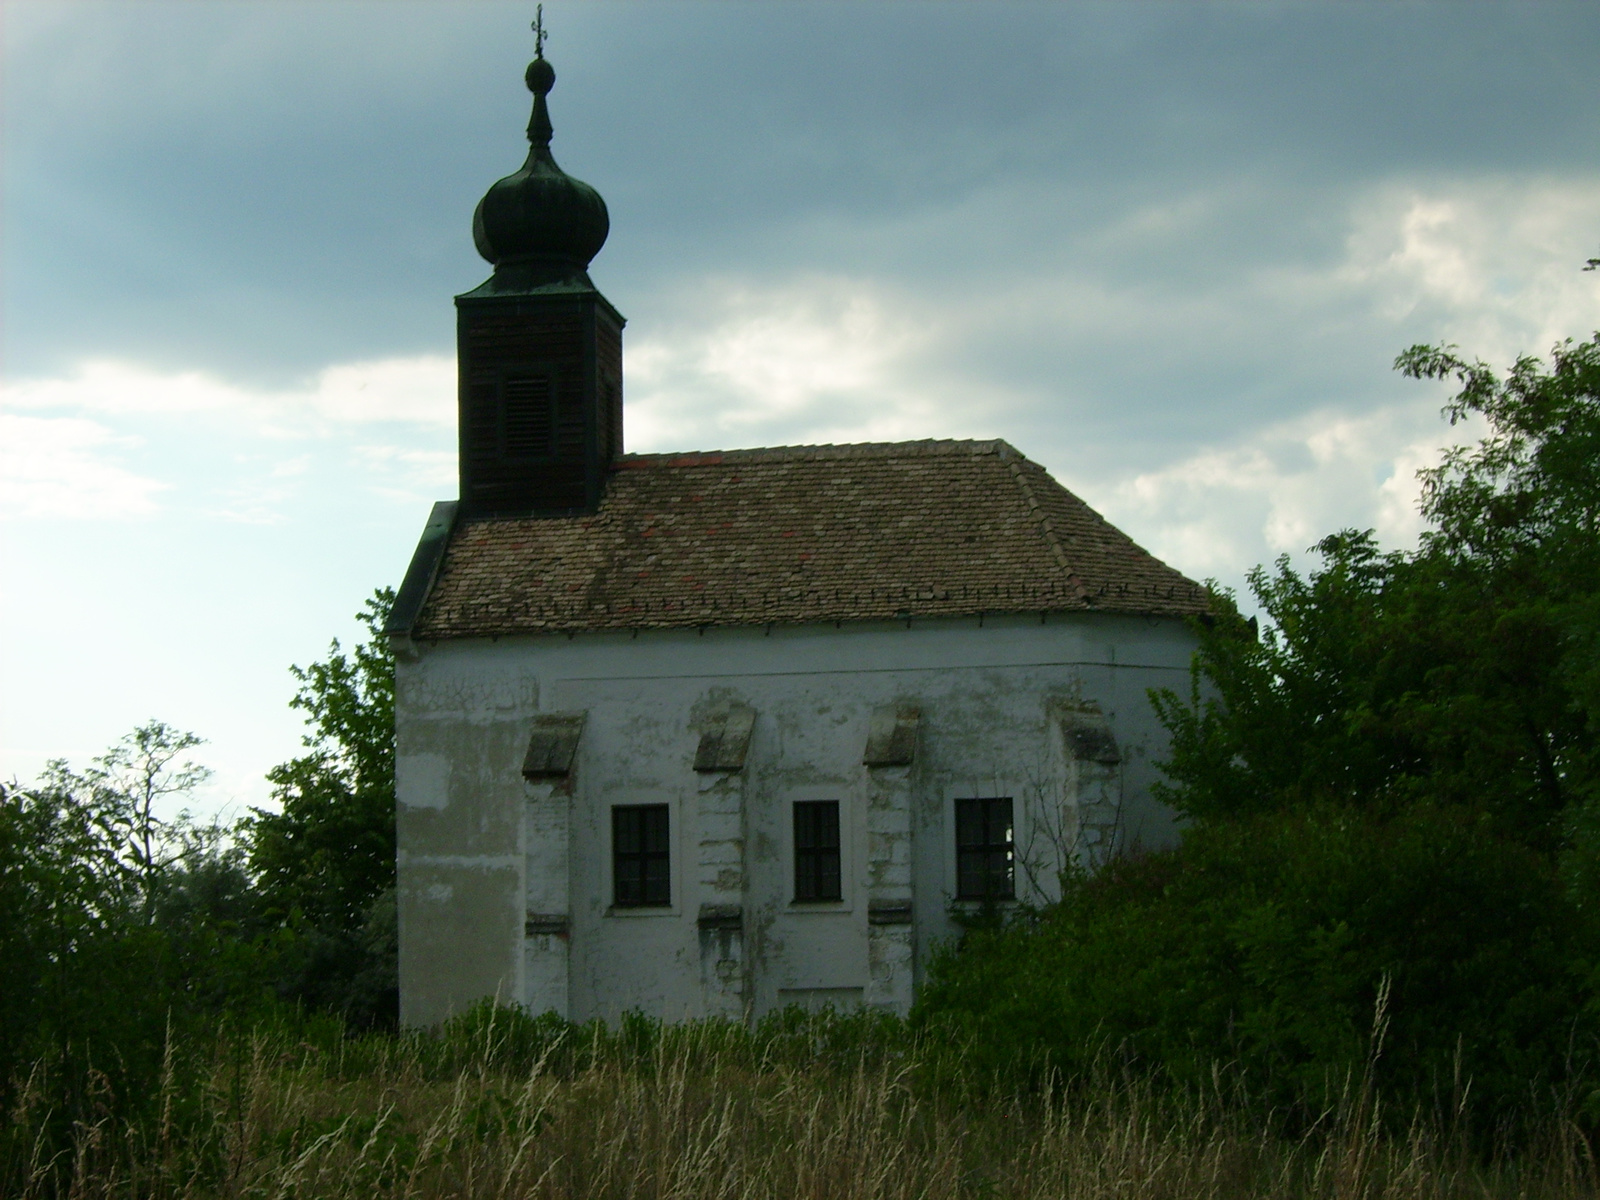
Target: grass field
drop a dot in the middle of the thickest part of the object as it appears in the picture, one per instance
(841, 1108)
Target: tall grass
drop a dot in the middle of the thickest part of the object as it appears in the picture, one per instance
(501, 1105)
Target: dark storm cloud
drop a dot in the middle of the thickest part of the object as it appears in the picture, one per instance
(263, 189)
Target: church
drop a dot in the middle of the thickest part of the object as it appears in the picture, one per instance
(709, 734)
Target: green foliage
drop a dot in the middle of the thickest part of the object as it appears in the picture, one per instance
(329, 852)
(1464, 673)
(1380, 680)
(64, 891)
(496, 1037)
(113, 918)
(120, 931)
(130, 937)
(1521, 510)
(1532, 486)
(324, 863)
(1263, 945)
(351, 972)
(120, 795)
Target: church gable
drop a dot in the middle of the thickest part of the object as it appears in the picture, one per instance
(800, 535)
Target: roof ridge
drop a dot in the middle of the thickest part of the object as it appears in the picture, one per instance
(922, 447)
(1046, 526)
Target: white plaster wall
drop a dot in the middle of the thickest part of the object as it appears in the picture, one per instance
(986, 690)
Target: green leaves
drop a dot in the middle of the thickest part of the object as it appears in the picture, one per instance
(1260, 948)
(324, 864)
(1466, 673)
(1533, 483)
(123, 927)
(330, 851)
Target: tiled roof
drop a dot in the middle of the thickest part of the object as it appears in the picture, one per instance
(800, 534)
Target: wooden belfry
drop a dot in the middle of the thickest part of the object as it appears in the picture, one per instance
(539, 349)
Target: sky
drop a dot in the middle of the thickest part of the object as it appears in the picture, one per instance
(1170, 251)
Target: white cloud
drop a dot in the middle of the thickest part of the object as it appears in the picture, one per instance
(812, 359)
(1490, 265)
(407, 475)
(1278, 490)
(123, 389)
(419, 390)
(202, 437)
(1076, 340)
(1493, 264)
(1065, 360)
(66, 467)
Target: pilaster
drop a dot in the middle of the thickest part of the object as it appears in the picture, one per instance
(891, 930)
(719, 861)
(548, 767)
(548, 926)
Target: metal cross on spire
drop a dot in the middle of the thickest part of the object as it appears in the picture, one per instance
(538, 32)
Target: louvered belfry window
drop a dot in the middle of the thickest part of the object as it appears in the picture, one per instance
(514, 418)
(985, 849)
(527, 415)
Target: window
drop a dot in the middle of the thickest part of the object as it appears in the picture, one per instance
(984, 849)
(513, 417)
(527, 415)
(816, 850)
(641, 872)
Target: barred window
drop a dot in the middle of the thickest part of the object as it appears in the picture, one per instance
(816, 850)
(640, 860)
(985, 850)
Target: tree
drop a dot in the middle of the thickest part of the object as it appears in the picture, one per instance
(330, 850)
(64, 892)
(1524, 503)
(1270, 951)
(1464, 673)
(325, 862)
(124, 790)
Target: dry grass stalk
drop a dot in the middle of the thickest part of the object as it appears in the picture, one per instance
(276, 1121)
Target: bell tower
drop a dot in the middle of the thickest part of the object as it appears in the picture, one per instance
(539, 349)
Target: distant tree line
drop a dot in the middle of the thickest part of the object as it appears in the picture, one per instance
(123, 927)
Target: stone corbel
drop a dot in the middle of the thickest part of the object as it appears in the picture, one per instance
(892, 736)
(552, 747)
(889, 912)
(726, 740)
(721, 916)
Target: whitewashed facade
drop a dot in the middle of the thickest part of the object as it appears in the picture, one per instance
(505, 881)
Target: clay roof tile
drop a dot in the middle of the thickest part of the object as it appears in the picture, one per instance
(801, 534)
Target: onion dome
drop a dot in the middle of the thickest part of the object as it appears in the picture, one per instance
(540, 222)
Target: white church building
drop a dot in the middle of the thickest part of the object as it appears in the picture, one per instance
(714, 733)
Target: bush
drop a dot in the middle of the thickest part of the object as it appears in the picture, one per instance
(1293, 951)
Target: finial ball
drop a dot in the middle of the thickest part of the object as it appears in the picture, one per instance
(541, 77)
